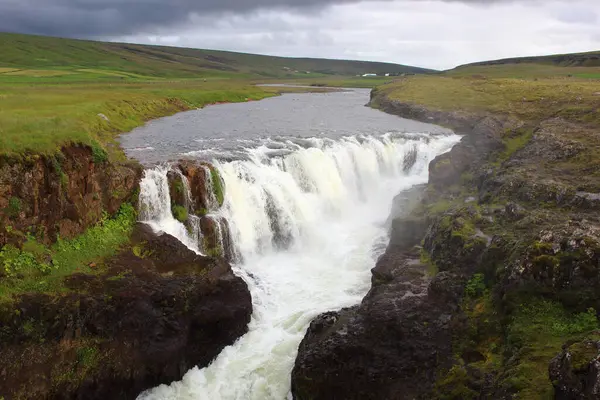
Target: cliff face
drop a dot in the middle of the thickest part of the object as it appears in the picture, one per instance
(158, 311)
(118, 309)
(61, 195)
(492, 269)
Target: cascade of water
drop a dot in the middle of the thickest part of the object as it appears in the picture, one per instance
(211, 198)
(305, 223)
(155, 207)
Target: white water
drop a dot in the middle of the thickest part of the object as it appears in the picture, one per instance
(306, 226)
(155, 208)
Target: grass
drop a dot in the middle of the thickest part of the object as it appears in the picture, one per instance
(524, 71)
(37, 268)
(537, 331)
(80, 57)
(367, 82)
(41, 118)
(528, 99)
(52, 90)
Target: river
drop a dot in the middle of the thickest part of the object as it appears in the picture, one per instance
(309, 181)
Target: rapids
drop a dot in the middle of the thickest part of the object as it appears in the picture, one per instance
(307, 217)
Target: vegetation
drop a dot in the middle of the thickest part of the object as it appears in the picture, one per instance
(521, 305)
(180, 213)
(217, 185)
(526, 99)
(54, 91)
(88, 60)
(37, 268)
(536, 333)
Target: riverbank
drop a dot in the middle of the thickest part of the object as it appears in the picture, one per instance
(40, 119)
(495, 268)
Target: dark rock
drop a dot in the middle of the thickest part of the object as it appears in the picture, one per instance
(575, 372)
(393, 344)
(159, 311)
(389, 347)
(514, 211)
(563, 263)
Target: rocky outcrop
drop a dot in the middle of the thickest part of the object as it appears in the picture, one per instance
(196, 191)
(493, 270)
(61, 195)
(575, 372)
(394, 343)
(158, 311)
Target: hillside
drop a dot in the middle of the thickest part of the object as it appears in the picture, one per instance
(50, 56)
(580, 65)
(589, 59)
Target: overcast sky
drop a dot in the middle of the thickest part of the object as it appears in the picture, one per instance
(429, 33)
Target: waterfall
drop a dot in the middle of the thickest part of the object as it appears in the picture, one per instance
(155, 207)
(305, 216)
(211, 200)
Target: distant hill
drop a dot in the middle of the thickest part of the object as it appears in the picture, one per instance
(49, 53)
(580, 65)
(590, 59)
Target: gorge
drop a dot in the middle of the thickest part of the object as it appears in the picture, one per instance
(303, 220)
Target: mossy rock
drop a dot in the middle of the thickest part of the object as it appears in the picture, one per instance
(180, 213)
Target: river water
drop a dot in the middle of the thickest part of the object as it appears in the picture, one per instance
(309, 181)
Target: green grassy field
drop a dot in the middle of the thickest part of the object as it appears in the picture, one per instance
(52, 90)
(574, 99)
(39, 56)
(42, 118)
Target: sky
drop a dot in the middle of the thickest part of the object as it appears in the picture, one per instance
(437, 34)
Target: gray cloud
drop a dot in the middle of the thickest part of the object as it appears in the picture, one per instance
(106, 18)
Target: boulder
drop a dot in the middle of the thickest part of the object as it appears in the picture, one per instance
(158, 311)
(575, 372)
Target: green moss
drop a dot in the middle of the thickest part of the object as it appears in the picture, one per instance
(454, 385)
(99, 155)
(14, 207)
(217, 185)
(582, 354)
(87, 356)
(440, 206)
(475, 286)
(535, 335)
(432, 268)
(37, 268)
(180, 213)
(178, 185)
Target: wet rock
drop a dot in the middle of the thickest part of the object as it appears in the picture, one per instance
(177, 190)
(159, 311)
(454, 243)
(391, 345)
(196, 174)
(575, 372)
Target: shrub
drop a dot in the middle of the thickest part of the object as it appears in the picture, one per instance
(476, 286)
